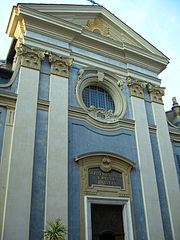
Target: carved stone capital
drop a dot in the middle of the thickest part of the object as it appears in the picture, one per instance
(60, 64)
(30, 57)
(156, 93)
(136, 87)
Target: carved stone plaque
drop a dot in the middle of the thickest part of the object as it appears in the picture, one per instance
(98, 177)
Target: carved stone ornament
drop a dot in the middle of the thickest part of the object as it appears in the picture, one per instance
(156, 93)
(102, 114)
(105, 165)
(136, 87)
(97, 25)
(60, 64)
(30, 57)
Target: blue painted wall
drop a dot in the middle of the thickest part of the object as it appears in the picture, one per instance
(176, 149)
(161, 188)
(39, 177)
(44, 79)
(148, 106)
(84, 138)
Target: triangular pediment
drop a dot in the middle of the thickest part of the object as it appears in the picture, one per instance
(97, 20)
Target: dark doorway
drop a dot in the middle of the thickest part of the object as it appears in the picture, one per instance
(107, 222)
(107, 236)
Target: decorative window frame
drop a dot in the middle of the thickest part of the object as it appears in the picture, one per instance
(111, 84)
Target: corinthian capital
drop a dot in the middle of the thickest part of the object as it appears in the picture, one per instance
(156, 93)
(60, 64)
(30, 57)
(136, 87)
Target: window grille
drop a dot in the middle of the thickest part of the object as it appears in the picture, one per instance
(98, 97)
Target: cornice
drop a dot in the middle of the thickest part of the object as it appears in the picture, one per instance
(143, 77)
(152, 128)
(89, 9)
(8, 99)
(79, 113)
(46, 46)
(43, 105)
(175, 136)
(25, 11)
(160, 61)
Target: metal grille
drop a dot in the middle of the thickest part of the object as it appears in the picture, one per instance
(98, 97)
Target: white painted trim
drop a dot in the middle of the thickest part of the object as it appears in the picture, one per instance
(19, 186)
(56, 200)
(127, 218)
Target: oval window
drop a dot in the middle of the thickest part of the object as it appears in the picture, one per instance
(97, 97)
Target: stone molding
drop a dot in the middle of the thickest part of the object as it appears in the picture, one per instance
(136, 87)
(96, 24)
(79, 113)
(156, 93)
(20, 31)
(29, 57)
(60, 64)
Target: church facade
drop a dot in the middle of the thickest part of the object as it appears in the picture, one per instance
(83, 132)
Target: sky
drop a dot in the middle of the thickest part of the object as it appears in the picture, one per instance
(158, 21)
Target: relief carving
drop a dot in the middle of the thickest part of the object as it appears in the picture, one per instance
(156, 93)
(102, 114)
(105, 165)
(96, 25)
(60, 64)
(29, 57)
(136, 87)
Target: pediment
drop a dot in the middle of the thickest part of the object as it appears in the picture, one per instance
(97, 20)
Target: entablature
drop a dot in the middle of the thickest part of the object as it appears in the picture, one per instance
(129, 46)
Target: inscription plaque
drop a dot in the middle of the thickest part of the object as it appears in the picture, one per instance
(98, 177)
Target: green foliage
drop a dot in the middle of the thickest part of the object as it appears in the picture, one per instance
(55, 230)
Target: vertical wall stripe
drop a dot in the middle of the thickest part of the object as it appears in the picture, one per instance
(39, 177)
(18, 203)
(148, 179)
(73, 187)
(2, 126)
(138, 207)
(44, 80)
(5, 161)
(161, 189)
(57, 161)
(168, 168)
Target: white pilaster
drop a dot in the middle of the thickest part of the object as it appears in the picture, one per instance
(168, 168)
(146, 164)
(17, 217)
(57, 158)
(18, 200)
